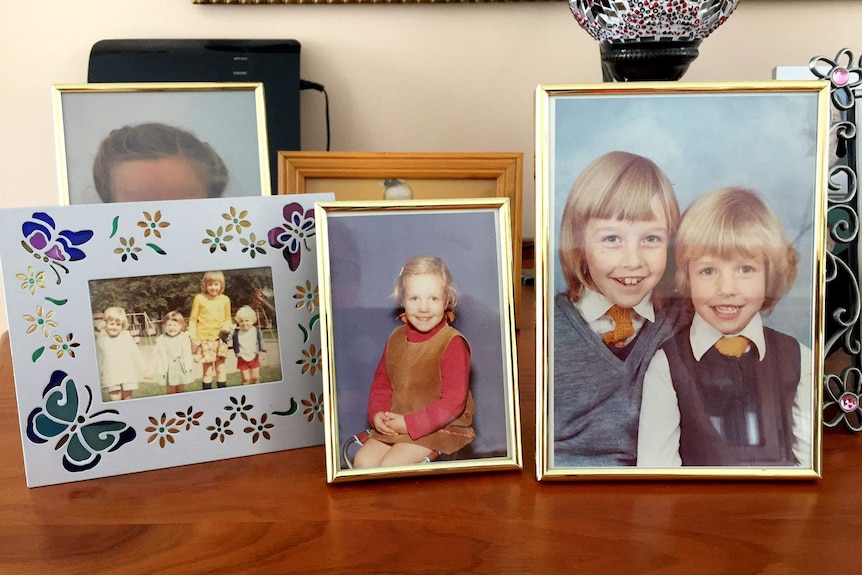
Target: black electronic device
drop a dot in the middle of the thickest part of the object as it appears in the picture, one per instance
(275, 63)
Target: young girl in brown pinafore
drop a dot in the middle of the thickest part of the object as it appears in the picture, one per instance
(420, 400)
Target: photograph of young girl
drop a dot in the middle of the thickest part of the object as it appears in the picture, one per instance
(667, 248)
(421, 340)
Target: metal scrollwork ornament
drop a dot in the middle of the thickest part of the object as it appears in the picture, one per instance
(842, 393)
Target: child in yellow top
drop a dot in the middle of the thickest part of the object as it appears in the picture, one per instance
(209, 324)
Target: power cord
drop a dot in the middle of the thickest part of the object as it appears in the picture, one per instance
(309, 85)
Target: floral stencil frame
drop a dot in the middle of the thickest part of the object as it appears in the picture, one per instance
(358, 314)
(51, 259)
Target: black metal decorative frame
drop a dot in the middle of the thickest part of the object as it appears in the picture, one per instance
(842, 393)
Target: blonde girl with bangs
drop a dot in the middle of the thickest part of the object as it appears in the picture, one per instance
(420, 404)
(617, 226)
(121, 363)
(729, 391)
(210, 326)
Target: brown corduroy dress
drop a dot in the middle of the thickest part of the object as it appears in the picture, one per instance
(414, 373)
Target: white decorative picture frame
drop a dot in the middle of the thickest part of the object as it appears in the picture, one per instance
(58, 263)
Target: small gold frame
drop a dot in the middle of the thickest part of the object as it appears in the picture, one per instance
(357, 273)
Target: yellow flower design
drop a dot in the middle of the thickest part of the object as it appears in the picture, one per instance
(153, 224)
(64, 346)
(161, 430)
(313, 407)
(306, 296)
(41, 321)
(32, 280)
(236, 221)
(311, 361)
(128, 249)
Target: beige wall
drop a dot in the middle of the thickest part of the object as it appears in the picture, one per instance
(415, 77)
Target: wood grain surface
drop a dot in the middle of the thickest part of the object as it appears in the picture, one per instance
(275, 513)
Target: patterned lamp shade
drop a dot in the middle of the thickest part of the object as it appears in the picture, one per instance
(649, 39)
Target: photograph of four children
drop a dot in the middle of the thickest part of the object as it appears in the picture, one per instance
(216, 332)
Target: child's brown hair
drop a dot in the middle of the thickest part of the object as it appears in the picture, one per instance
(177, 317)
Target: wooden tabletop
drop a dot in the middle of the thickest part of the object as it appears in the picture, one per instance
(275, 513)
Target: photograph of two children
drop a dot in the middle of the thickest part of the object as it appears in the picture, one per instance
(682, 302)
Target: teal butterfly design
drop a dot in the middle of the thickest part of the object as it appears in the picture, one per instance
(84, 436)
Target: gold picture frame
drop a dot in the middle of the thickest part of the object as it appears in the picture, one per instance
(218, 127)
(594, 424)
(360, 175)
(359, 317)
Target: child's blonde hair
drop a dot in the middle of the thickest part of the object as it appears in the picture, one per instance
(116, 313)
(731, 221)
(246, 312)
(616, 185)
(177, 317)
(212, 276)
(421, 265)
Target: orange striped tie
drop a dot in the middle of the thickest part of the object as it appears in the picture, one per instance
(623, 328)
(732, 346)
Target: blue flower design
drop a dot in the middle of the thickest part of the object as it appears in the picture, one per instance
(294, 234)
(42, 239)
(84, 436)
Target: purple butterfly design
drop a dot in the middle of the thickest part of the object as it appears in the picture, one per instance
(42, 239)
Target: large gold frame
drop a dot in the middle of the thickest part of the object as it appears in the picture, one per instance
(551, 190)
(501, 172)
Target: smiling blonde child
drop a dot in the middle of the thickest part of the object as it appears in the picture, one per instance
(420, 400)
(729, 391)
(121, 364)
(209, 326)
(617, 226)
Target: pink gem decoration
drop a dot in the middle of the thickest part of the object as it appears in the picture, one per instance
(849, 402)
(840, 76)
